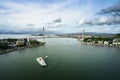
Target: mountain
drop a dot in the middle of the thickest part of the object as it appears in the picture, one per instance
(51, 32)
(27, 32)
(93, 34)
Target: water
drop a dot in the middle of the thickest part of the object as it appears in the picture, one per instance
(67, 60)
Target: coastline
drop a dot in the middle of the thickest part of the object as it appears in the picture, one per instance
(97, 44)
(19, 48)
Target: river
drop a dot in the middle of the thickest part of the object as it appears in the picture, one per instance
(68, 59)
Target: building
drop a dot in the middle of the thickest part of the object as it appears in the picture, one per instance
(20, 42)
(106, 43)
(116, 41)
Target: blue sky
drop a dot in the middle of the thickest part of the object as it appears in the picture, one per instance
(66, 16)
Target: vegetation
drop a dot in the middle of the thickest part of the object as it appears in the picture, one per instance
(34, 42)
(4, 45)
(104, 40)
(97, 39)
(117, 35)
(8, 45)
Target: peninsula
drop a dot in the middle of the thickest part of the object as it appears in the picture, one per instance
(10, 44)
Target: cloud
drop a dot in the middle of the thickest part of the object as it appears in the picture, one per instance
(112, 17)
(56, 23)
(30, 25)
(112, 9)
(57, 20)
(85, 22)
(17, 14)
(102, 20)
(22, 15)
(59, 25)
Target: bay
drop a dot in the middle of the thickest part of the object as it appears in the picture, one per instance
(68, 59)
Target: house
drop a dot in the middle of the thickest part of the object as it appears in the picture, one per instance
(106, 43)
(116, 41)
(20, 42)
(100, 42)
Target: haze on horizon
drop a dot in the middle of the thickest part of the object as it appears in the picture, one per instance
(65, 16)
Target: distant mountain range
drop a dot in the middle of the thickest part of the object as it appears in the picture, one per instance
(26, 32)
(50, 32)
(93, 34)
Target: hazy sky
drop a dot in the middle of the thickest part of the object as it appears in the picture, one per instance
(66, 16)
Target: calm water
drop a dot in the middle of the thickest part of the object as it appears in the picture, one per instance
(67, 60)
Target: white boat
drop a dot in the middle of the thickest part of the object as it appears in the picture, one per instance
(41, 61)
(46, 57)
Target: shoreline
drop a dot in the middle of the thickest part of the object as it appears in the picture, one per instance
(20, 48)
(96, 44)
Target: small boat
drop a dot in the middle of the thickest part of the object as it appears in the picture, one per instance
(41, 61)
(46, 57)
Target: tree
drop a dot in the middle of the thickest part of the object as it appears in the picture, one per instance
(117, 35)
(3, 45)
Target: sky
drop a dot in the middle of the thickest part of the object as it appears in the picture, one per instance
(60, 16)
